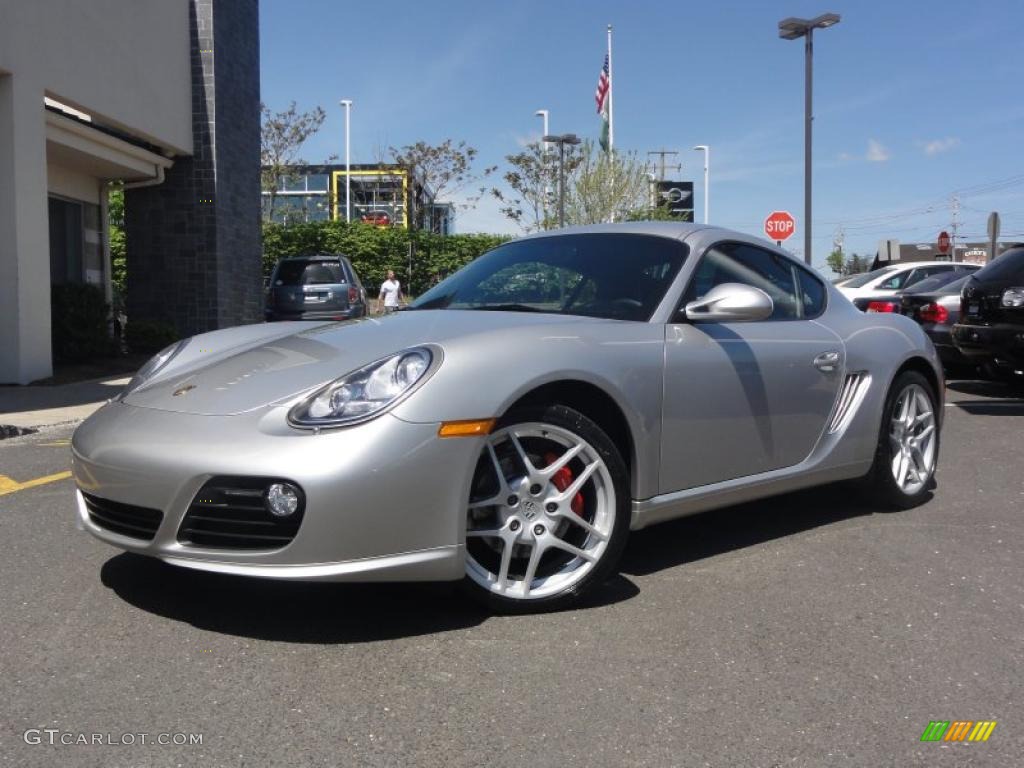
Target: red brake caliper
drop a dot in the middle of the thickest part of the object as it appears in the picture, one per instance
(562, 479)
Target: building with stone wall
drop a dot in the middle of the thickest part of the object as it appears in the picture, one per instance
(162, 95)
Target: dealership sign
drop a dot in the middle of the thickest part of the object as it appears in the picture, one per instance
(677, 196)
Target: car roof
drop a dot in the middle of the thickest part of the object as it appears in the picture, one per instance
(915, 264)
(674, 229)
(317, 257)
(705, 235)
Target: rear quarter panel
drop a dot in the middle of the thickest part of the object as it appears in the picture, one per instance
(879, 344)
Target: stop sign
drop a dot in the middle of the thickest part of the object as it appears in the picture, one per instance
(943, 241)
(779, 225)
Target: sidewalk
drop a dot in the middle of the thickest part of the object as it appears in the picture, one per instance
(44, 406)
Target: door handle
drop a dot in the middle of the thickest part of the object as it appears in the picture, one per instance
(827, 362)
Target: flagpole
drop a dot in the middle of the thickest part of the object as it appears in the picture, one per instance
(611, 95)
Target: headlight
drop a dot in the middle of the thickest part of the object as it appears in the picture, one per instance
(364, 393)
(1013, 297)
(158, 361)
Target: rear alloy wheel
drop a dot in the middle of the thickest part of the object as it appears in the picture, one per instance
(908, 446)
(548, 513)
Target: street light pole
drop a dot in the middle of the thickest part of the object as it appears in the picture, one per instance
(561, 141)
(561, 184)
(808, 131)
(347, 104)
(543, 114)
(707, 164)
(791, 29)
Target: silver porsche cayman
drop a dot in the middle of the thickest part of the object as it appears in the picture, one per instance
(516, 422)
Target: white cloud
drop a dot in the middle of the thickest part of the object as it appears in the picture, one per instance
(876, 152)
(938, 146)
(524, 141)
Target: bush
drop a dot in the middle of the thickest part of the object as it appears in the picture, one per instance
(149, 335)
(375, 250)
(79, 325)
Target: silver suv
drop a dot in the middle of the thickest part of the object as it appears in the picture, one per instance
(320, 287)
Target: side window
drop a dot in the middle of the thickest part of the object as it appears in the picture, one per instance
(747, 264)
(921, 273)
(812, 293)
(896, 282)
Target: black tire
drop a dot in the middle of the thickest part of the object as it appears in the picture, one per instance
(584, 428)
(879, 484)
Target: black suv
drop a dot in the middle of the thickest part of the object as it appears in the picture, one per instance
(991, 327)
(320, 287)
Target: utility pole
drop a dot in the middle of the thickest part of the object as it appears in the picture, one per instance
(663, 153)
(838, 241)
(839, 238)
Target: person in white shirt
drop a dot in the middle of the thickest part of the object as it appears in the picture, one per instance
(390, 294)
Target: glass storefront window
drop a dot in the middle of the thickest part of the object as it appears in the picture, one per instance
(317, 182)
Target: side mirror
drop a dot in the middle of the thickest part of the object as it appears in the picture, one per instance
(731, 303)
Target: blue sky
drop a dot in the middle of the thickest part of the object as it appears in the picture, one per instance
(913, 100)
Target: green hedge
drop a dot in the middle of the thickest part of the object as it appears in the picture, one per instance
(80, 323)
(149, 335)
(375, 250)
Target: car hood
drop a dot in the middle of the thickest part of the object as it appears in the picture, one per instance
(239, 369)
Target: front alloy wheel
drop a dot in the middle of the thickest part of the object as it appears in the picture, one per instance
(548, 512)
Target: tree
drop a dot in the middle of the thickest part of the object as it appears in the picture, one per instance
(606, 186)
(855, 264)
(444, 169)
(836, 261)
(282, 136)
(533, 178)
(115, 217)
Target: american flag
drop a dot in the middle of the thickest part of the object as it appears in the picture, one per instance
(603, 85)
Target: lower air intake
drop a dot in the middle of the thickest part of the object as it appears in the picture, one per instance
(232, 513)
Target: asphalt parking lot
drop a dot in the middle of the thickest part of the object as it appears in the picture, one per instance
(809, 630)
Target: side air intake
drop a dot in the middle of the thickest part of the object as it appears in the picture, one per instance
(850, 396)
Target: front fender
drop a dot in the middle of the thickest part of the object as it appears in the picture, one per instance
(483, 377)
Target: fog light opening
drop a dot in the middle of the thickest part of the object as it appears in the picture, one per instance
(282, 499)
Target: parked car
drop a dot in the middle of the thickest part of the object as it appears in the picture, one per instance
(377, 218)
(991, 328)
(935, 304)
(888, 280)
(320, 287)
(512, 437)
(891, 301)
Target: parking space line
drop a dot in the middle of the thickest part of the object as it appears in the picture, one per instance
(7, 485)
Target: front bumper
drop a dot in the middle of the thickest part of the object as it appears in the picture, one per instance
(385, 500)
(1002, 343)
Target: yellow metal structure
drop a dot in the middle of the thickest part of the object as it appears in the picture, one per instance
(338, 189)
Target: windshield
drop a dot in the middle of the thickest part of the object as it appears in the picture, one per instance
(309, 273)
(943, 280)
(867, 277)
(615, 276)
